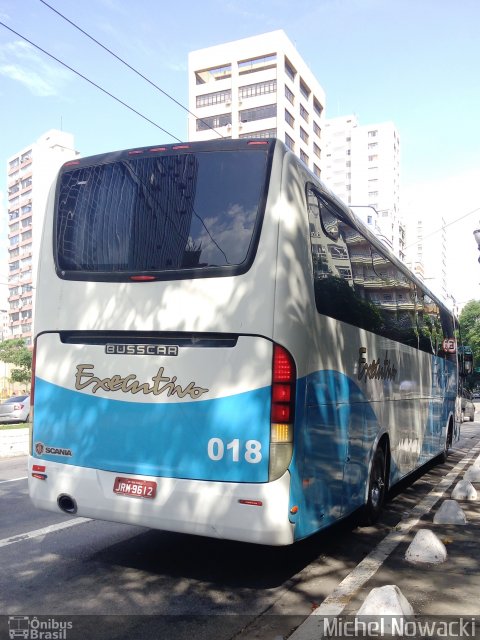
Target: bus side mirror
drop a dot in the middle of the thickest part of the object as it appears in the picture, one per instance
(466, 364)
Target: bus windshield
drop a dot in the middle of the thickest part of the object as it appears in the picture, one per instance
(163, 213)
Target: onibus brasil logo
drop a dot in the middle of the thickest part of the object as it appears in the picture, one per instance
(32, 628)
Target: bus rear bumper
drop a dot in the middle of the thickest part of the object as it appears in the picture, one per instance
(256, 513)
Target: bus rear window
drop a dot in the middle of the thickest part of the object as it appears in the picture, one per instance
(177, 215)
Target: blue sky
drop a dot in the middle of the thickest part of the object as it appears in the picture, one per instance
(414, 62)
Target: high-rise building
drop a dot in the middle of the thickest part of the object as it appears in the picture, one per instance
(30, 175)
(426, 252)
(362, 166)
(257, 87)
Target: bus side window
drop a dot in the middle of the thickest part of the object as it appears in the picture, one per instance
(429, 326)
(356, 282)
(339, 265)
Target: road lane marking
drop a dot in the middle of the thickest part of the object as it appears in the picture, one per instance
(14, 479)
(333, 605)
(42, 532)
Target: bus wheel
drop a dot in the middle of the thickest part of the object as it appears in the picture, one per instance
(377, 489)
(447, 445)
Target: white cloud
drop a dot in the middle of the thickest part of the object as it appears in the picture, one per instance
(20, 62)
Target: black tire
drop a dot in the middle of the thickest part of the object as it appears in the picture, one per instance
(447, 446)
(377, 489)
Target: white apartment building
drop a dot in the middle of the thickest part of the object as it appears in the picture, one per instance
(30, 175)
(257, 87)
(362, 166)
(426, 252)
(4, 324)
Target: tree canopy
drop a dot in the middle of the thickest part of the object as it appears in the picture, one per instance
(16, 352)
(470, 328)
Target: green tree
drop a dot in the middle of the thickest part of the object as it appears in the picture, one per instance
(470, 328)
(16, 352)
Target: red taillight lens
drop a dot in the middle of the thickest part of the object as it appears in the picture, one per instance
(281, 412)
(283, 366)
(281, 392)
(283, 385)
(142, 278)
(284, 379)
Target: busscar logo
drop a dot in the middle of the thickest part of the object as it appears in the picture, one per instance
(41, 448)
(142, 349)
(38, 629)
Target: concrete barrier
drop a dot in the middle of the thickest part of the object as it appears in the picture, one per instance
(14, 442)
(426, 548)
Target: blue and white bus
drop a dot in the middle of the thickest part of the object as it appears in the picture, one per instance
(223, 349)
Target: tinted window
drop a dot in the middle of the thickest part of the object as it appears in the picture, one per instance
(159, 213)
(356, 283)
(15, 399)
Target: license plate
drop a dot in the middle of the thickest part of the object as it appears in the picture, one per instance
(135, 488)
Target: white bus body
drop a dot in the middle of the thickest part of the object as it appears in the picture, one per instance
(187, 376)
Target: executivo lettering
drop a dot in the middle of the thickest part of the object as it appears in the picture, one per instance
(129, 384)
(375, 370)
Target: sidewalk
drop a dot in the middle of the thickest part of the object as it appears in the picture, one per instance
(445, 591)
(14, 442)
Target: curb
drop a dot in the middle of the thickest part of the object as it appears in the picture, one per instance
(14, 442)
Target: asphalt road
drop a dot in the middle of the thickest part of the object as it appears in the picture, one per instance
(119, 581)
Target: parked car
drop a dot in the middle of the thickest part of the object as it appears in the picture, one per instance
(468, 408)
(15, 409)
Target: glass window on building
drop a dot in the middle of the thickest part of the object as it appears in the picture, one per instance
(290, 70)
(217, 97)
(304, 113)
(215, 73)
(317, 107)
(265, 133)
(304, 90)
(289, 118)
(304, 157)
(257, 64)
(221, 120)
(289, 142)
(289, 95)
(257, 89)
(258, 113)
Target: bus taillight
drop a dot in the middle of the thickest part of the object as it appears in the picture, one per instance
(282, 412)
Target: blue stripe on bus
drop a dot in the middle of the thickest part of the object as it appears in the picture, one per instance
(159, 439)
(334, 435)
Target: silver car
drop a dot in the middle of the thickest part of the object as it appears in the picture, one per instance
(15, 409)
